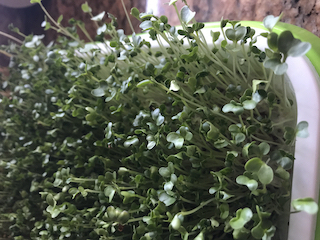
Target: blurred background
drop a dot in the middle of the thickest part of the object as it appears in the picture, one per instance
(28, 17)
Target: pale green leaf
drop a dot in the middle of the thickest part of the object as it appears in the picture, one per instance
(98, 17)
(307, 205)
(186, 14)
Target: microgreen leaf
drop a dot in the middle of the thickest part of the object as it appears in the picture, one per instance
(285, 41)
(109, 192)
(174, 86)
(176, 139)
(166, 199)
(276, 65)
(249, 104)
(265, 174)
(173, 2)
(98, 17)
(50, 200)
(213, 133)
(305, 204)
(131, 141)
(242, 217)
(135, 12)
(215, 35)
(233, 107)
(257, 232)
(299, 49)
(270, 21)
(254, 165)
(236, 34)
(85, 8)
(250, 183)
(98, 92)
(264, 148)
(35, 1)
(302, 129)
(186, 14)
(146, 25)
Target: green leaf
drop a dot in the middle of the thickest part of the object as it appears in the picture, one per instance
(242, 217)
(60, 19)
(186, 14)
(172, 2)
(135, 12)
(108, 131)
(282, 173)
(233, 107)
(200, 90)
(256, 83)
(276, 65)
(200, 236)
(257, 232)
(241, 233)
(285, 41)
(224, 210)
(270, 21)
(176, 139)
(281, 69)
(285, 162)
(239, 138)
(302, 129)
(215, 35)
(249, 104)
(185, 133)
(265, 174)
(54, 211)
(109, 192)
(299, 49)
(264, 148)
(35, 1)
(151, 142)
(85, 8)
(307, 205)
(213, 190)
(98, 92)
(273, 41)
(146, 25)
(50, 200)
(236, 34)
(131, 141)
(289, 134)
(166, 199)
(250, 183)
(98, 17)
(220, 143)
(213, 133)
(144, 83)
(174, 86)
(254, 165)
(176, 221)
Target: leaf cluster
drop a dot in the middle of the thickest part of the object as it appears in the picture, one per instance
(118, 140)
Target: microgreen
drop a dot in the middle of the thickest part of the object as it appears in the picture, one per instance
(191, 139)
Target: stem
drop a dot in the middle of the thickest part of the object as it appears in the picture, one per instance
(198, 208)
(190, 102)
(11, 37)
(64, 31)
(85, 32)
(127, 15)
(5, 53)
